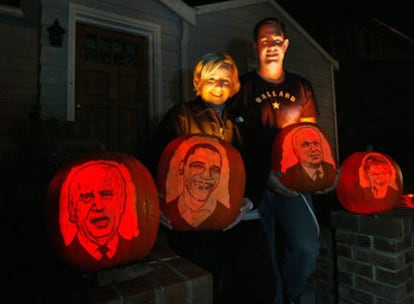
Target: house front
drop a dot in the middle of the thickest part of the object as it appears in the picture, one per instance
(121, 66)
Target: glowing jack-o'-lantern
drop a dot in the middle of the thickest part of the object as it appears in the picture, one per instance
(201, 181)
(407, 201)
(302, 153)
(102, 211)
(370, 182)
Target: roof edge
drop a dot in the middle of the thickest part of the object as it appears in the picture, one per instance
(218, 6)
(334, 62)
(188, 13)
(392, 29)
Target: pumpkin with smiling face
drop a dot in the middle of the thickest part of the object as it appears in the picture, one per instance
(301, 153)
(102, 211)
(201, 181)
(370, 182)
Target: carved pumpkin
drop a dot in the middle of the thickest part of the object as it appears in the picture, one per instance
(302, 153)
(102, 211)
(370, 182)
(201, 181)
(407, 201)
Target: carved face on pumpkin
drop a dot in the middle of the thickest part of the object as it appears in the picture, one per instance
(302, 153)
(201, 171)
(97, 201)
(376, 174)
(197, 179)
(96, 196)
(307, 147)
(370, 182)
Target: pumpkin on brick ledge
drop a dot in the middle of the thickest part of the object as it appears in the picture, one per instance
(201, 181)
(370, 182)
(301, 153)
(102, 211)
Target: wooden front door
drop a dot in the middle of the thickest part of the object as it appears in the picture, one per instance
(112, 94)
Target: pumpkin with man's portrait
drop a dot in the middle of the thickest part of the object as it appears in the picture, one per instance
(370, 182)
(303, 158)
(201, 182)
(102, 211)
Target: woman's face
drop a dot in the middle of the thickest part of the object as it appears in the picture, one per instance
(216, 89)
(379, 176)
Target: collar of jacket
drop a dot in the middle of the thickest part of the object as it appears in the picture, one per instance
(199, 106)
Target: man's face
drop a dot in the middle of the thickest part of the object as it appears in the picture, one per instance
(379, 177)
(308, 148)
(202, 173)
(218, 87)
(100, 202)
(270, 46)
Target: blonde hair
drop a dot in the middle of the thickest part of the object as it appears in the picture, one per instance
(208, 64)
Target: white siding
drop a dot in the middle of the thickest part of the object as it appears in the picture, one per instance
(228, 28)
(121, 14)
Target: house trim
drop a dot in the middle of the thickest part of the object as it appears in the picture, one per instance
(181, 9)
(334, 114)
(10, 10)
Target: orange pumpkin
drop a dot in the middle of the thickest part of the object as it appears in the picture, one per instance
(302, 153)
(102, 211)
(370, 182)
(407, 201)
(201, 181)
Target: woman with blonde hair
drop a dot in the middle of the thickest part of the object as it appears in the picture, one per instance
(222, 253)
(215, 80)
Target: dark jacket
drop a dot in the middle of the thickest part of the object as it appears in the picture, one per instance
(191, 118)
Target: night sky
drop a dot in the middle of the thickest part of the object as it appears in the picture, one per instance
(317, 16)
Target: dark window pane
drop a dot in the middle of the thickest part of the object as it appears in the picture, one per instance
(90, 47)
(131, 53)
(105, 50)
(118, 53)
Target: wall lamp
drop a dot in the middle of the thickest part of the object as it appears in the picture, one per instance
(56, 34)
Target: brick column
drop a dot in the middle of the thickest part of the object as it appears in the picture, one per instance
(375, 257)
(324, 279)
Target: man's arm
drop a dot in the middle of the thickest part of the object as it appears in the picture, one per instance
(308, 119)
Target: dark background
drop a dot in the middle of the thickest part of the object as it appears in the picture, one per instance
(373, 97)
(321, 16)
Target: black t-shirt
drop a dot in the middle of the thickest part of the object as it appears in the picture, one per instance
(268, 107)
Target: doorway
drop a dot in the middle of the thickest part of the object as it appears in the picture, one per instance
(112, 88)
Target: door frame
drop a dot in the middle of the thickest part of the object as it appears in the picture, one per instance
(91, 16)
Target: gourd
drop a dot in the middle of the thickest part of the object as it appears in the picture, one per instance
(299, 152)
(201, 180)
(370, 182)
(102, 198)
